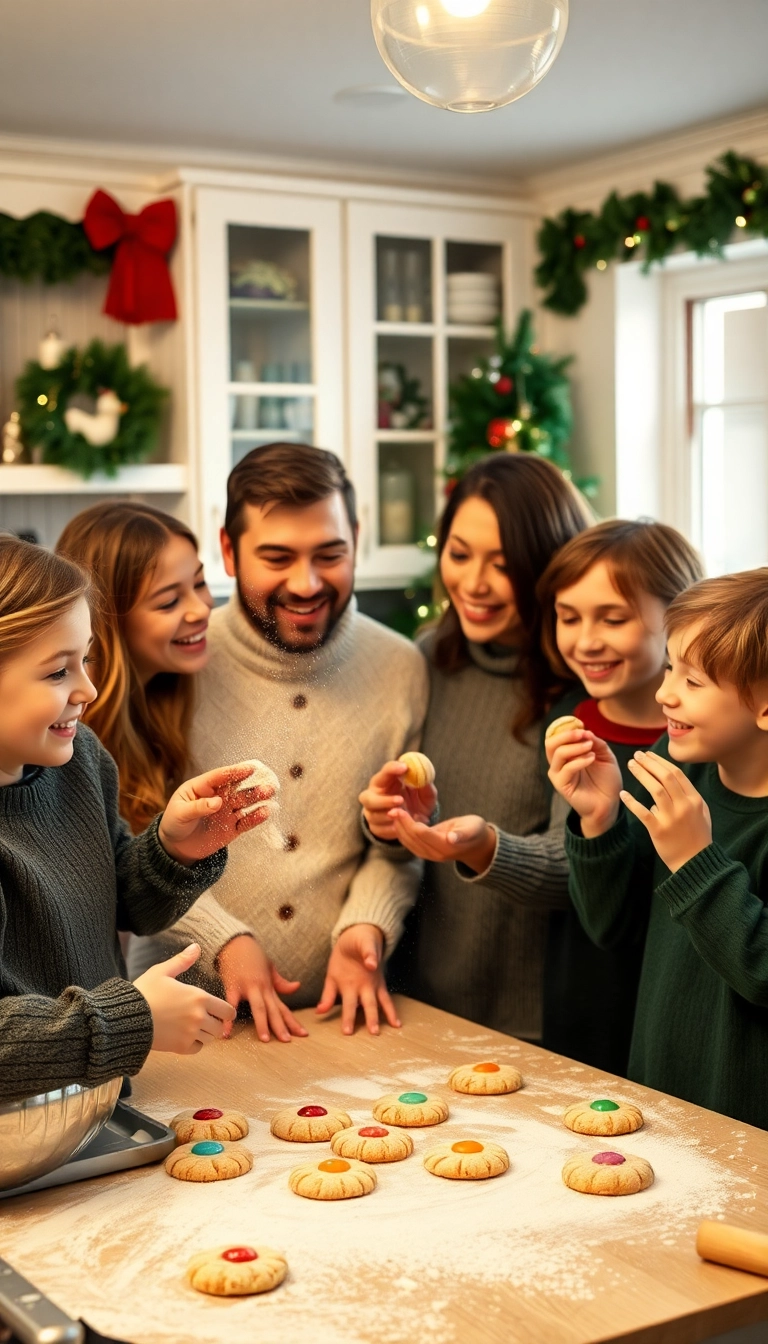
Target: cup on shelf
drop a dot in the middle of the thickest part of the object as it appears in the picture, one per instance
(272, 372)
(391, 305)
(271, 413)
(245, 371)
(247, 411)
(396, 495)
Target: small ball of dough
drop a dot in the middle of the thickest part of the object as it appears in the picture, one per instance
(208, 1160)
(567, 723)
(411, 1109)
(209, 1123)
(467, 1160)
(607, 1173)
(236, 1271)
(372, 1143)
(420, 770)
(485, 1079)
(335, 1178)
(603, 1117)
(309, 1124)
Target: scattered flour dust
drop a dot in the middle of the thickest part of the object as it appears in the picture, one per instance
(384, 1268)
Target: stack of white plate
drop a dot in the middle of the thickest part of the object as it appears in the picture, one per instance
(473, 298)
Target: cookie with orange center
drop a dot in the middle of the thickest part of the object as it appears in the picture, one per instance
(236, 1271)
(467, 1160)
(309, 1124)
(334, 1178)
(208, 1160)
(209, 1123)
(603, 1117)
(372, 1143)
(607, 1173)
(412, 1110)
(485, 1079)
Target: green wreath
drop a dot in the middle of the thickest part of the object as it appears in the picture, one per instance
(44, 396)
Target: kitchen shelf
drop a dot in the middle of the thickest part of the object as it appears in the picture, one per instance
(279, 435)
(273, 389)
(268, 306)
(405, 328)
(161, 478)
(405, 435)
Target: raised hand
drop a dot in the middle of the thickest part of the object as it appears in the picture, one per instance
(184, 1017)
(356, 977)
(248, 975)
(208, 812)
(678, 822)
(387, 791)
(585, 772)
(469, 839)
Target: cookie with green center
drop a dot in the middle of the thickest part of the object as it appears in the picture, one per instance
(208, 1160)
(604, 1117)
(411, 1110)
(607, 1173)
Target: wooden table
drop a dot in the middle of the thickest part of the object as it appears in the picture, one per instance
(516, 1260)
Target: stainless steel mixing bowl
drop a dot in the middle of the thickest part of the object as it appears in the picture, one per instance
(39, 1134)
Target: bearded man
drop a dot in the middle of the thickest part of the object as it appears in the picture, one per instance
(299, 679)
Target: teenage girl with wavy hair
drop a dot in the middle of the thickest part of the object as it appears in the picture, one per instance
(149, 629)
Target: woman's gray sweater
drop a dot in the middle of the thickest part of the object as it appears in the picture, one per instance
(71, 875)
(475, 945)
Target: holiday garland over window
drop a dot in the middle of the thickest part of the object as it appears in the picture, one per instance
(650, 225)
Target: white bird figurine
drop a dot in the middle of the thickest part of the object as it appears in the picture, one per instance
(100, 425)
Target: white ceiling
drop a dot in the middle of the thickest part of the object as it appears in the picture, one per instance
(260, 76)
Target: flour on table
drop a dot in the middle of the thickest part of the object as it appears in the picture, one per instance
(381, 1269)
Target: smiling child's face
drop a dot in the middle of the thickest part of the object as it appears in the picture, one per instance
(44, 690)
(707, 721)
(612, 647)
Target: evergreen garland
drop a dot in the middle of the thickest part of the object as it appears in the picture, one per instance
(43, 395)
(46, 247)
(652, 225)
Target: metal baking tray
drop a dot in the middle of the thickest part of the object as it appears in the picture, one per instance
(128, 1139)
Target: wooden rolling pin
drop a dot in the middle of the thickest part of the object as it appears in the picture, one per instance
(733, 1246)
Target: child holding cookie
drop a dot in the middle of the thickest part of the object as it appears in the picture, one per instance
(70, 872)
(604, 597)
(691, 868)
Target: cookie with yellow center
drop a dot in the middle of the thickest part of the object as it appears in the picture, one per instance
(209, 1123)
(208, 1160)
(333, 1178)
(309, 1124)
(410, 1109)
(467, 1160)
(420, 770)
(607, 1173)
(236, 1271)
(372, 1143)
(485, 1079)
(603, 1117)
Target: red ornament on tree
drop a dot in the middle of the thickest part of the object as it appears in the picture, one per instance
(500, 432)
(579, 241)
(504, 385)
(642, 224)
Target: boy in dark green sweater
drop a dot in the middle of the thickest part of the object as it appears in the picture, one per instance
(695, 863)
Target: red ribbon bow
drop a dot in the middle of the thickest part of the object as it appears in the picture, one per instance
(140, 288)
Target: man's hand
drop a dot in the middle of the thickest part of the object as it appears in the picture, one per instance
(678, 822)
(386, 791)
(585, 772)
(469, 839)
(355, 976)
(248, 975)
(208, 812)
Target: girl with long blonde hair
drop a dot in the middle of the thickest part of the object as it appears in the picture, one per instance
(149, 636)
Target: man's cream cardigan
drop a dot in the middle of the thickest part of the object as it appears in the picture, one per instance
(324, 722)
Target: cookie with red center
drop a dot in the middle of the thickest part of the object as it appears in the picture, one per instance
(236, 1271)
(467, 1160)
(604, 1117)
(333, 1178)
(372, 1143)
(607, 1173)
(311, 1123)
(209, 1122)
(486, 1078)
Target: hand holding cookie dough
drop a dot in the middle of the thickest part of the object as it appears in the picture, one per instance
(210, 811)
(585, 772)
(408, 784)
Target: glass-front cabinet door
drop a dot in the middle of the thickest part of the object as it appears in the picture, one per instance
(270, 336)
(426, 288)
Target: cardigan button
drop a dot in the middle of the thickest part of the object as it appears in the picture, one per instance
(286, 912)
(291, 842)
(296, 771)
(299, 701)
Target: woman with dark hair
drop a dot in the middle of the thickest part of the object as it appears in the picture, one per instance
(480, 952)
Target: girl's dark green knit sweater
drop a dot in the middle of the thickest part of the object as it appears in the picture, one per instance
(701, 1028)
(71, 875)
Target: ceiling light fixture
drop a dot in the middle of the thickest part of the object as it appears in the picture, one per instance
(469, 55)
